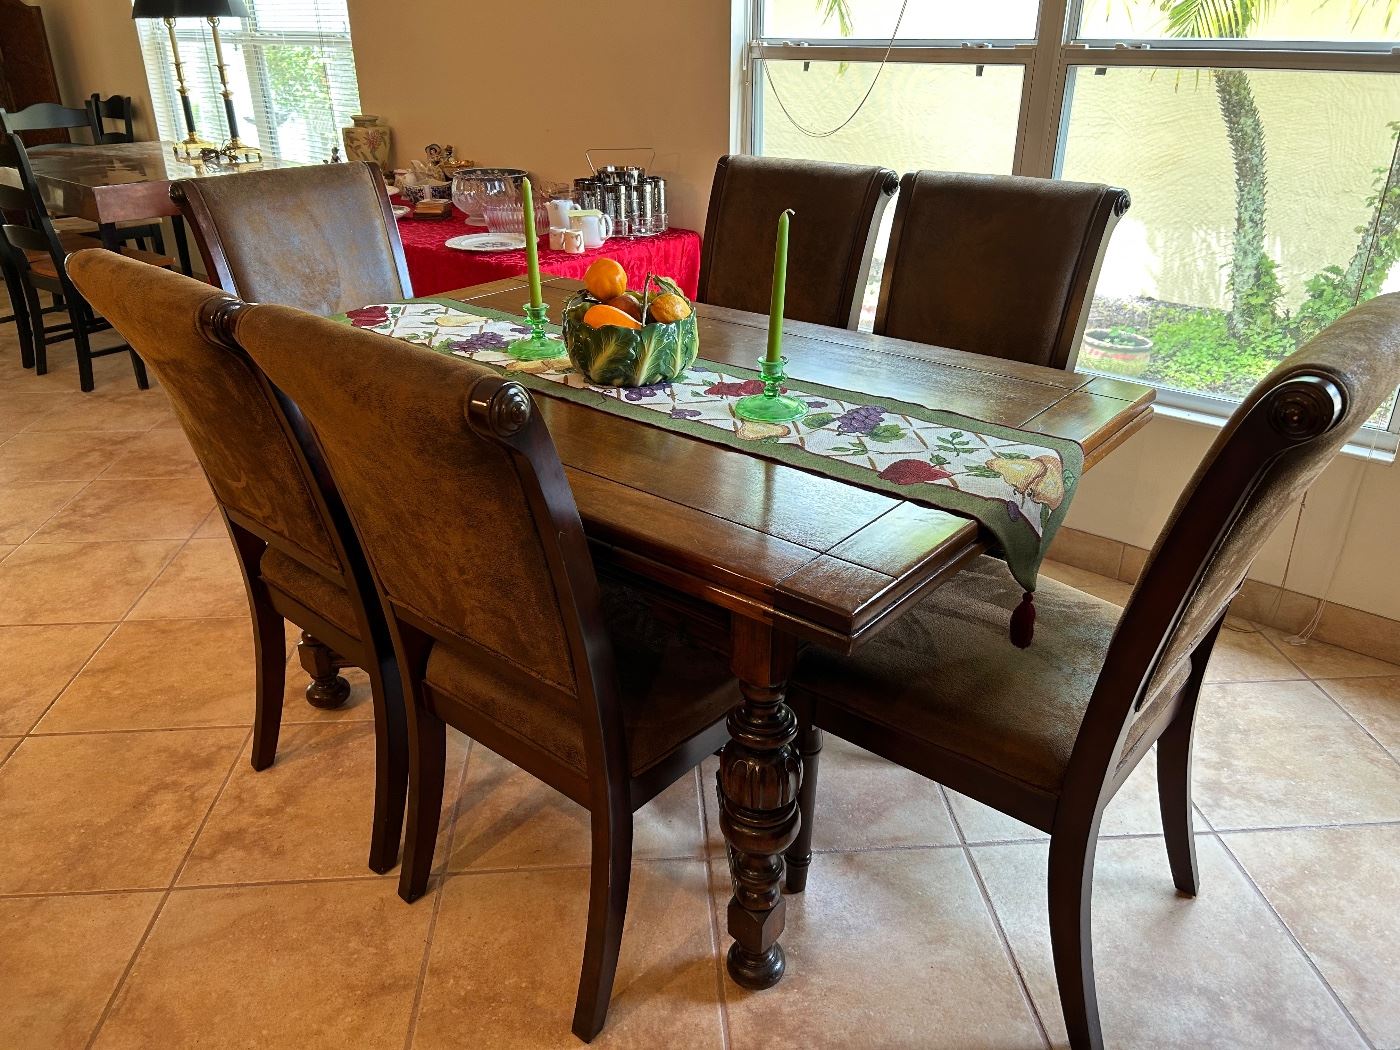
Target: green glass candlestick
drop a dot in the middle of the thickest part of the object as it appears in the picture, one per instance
(537, 346)
(771, 406)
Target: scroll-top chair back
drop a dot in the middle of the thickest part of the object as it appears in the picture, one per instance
(1275, 445)
(321, 238)
(251, 462)
(837, 218)
(115, 108)
(461, 505)
(1000, 265)
(44, 123)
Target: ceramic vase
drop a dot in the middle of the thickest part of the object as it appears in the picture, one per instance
(369, 138)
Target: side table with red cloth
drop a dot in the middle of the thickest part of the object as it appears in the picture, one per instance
(435, 268)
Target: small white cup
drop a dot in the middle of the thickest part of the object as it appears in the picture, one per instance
(573, 242)
(556, 238)
(595, 226)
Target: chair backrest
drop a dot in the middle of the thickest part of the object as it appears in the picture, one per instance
(1277, 442)
(1000, 265)
(44, 116)
(462, 509)
(321, 238)
(253, 463)
(35, 231)
(837, 210)
(115, 107)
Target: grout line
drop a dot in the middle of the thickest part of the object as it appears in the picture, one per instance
(716, 939)
(160, 907)
(1288, 930)
(1006, 948)
(1356, 721)
(438, 891)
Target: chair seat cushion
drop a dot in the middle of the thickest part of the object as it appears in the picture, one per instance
(310, 588)
(670, 688)
(946, 674)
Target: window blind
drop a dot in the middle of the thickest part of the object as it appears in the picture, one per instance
(290, 66)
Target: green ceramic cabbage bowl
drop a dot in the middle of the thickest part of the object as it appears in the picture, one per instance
(617, 356)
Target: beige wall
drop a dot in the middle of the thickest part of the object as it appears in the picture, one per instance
(533, 83)
(95, 48)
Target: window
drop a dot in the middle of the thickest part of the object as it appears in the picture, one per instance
(1259, 142)
(290, 67)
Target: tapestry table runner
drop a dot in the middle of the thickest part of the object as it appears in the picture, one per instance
(1016, 484)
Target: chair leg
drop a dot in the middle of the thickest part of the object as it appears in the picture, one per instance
(83, 348)
(799, 854)
(327, 689)
(1071, 878)
(269, 648)
(38, 334)
(607, 909)
(427, 760)
(391, 769)
(138, 368)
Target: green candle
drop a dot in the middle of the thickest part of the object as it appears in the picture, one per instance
(775, 313)
(532, 248)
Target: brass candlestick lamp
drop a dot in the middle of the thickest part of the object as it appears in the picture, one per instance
(234, 150)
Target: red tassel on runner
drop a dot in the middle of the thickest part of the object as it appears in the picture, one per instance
(1023, 622)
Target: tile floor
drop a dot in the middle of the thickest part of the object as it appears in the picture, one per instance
(155, 892)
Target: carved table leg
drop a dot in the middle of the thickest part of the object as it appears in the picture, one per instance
(327, 689)
(758, 780)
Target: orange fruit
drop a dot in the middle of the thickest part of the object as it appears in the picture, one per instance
(605, 279)
(627, 305)
(603, 314)
(669, 307)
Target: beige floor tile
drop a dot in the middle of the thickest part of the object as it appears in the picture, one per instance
(162, 674)
(36, 663)
(864, 801)
(78, 582)
(6, 549)
(507, 949)
(1339, 891)
(26, 505)
(1247, 655)
(508, 819)
(307, 966)
(62, 958)
(107, 810)
(1320, 660)
(18, 410)
(1115, 591)
(213, 528)
(1216, 971)
(358, 707)
(1281, 754)
(162, 453)
(1374, 702)
(7, 745)
(71, 456)
(131, 509)
(308, 816)
(202, 580)
(133, 410)
(887, 949)
(1133, 811)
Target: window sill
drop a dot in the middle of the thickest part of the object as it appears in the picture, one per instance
(1378, 446)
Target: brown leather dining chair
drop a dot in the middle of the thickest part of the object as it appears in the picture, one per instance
(1048, 734)
(1001, 265)
(296, 550)
(321, 238)
(501, 625)
(837, 210)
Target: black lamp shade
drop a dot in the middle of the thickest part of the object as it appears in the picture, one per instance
(189, 9)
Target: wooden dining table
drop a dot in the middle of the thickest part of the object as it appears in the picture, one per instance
(118, 182)
(780, 558)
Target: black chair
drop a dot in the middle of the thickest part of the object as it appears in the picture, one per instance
(117, 108)
(35, 253)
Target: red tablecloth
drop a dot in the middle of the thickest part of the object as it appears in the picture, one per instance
(436, 268)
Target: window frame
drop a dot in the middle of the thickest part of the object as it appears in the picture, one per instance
(1047, 61)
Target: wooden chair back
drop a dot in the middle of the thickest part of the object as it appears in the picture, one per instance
(115, 107)
(253, 461)
(463, 510)
(321, 238)
(837, 211)
(45, 116)
(33, 230)
(1275, 445)
(999, 265)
